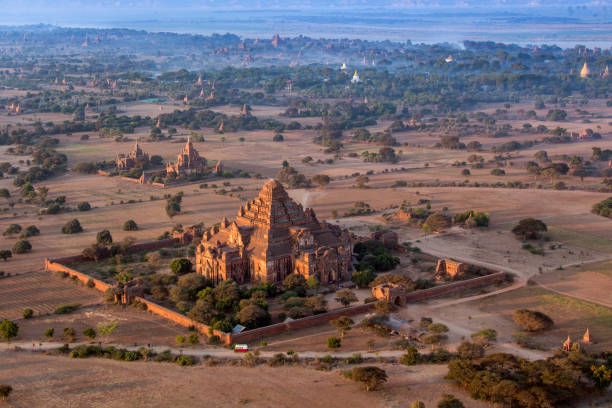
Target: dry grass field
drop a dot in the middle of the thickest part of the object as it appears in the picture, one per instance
(571, 316)
(42, 292)
(62, 382)
(568, 295)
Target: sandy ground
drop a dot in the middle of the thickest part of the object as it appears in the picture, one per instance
(40, 380)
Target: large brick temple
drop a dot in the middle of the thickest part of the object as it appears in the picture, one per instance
(272, 237)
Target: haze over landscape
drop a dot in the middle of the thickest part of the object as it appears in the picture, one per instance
(306, 203)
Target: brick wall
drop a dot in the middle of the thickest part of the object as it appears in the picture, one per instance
(145, 246)
(182, 319)
(57, 267)
(227, 338)
(300, 323)
(454, 286)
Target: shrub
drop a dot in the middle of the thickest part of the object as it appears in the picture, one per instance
(28, 313)
(66, 309)
(363, 278)
(436, 223)
(531, 320)
(184, 360)
(603, 208)
(485, 334)
(22, 246)
(411, 357)
(356, 358)
(437, 328)
(334, 342)
(130, 225)
(180, 339)
(89, 332)
(5, 391)
(277, 360)
(72, 227)
(193, 339)
(49, 333)
(83, 206)
(449, 401)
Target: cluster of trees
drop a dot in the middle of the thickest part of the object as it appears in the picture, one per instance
(196, 119)
(173, 204)
(515, 382)
(384, 155)
(473, 218)
(295, 179)
(603, 208)
(373, 257)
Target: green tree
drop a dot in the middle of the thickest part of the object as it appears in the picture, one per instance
(104, 237)
(529, 228)
(321, 180)
(312, 283)
(180, 266)
(343, 324)
(531, 320)
(602, 376)
(5, 254)
(22, 246)
(470, 351)
(436, 222)
(12, 229)
(130, 225)
(193, 339)
(346, 297)
(411, 357)
(28, 313)
(253, 316)
(83, 206)
(385, 307)
(371, 377)
(72, 227)
(363, 277)
(49, 333)
(295, 282)
(8, 330)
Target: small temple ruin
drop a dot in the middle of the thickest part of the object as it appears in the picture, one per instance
(449, 268)
(188, 162)
(136, 158)
(273, 237)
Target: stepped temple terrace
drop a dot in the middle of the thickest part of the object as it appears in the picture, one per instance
(272, 237)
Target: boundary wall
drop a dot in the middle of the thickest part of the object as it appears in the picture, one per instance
(59, 265)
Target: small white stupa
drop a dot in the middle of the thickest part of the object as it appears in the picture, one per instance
(449, 59)
(355, 78)
(343, 65)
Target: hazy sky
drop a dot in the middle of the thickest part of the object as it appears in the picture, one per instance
(34, 5)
